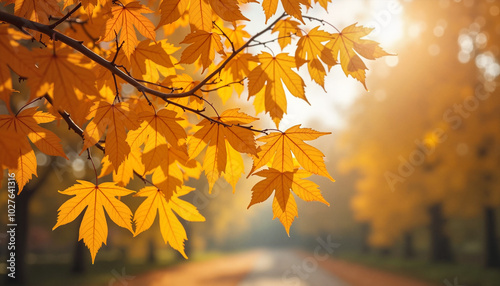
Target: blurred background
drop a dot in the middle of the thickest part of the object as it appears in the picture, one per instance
(416, 161)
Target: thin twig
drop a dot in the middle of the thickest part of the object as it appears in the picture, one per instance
(52, 26)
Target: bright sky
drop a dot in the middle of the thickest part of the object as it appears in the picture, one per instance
(326, 108)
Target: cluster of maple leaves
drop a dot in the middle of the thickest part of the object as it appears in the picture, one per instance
(84, 55)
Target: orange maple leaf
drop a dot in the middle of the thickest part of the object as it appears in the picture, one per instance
(96, 199)
(280, 145)
(25, 125)
(156, 129)
(228, 10)
(203, 45)
(171, 11)
(347, 44)
(116, 118)
(62, 77)
(172, 231)
(215, 136)
(284, 206)
(124, 18)
(37, 11)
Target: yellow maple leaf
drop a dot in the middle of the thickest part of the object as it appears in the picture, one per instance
(215, 136)
(200, 15)
(285, 28)
(203, 45)
(149, 58)
(156, 129)
(125, 172)
(310, 49)
(292, 7)
(96, 199)
(116, 118)
(284, 206)
(172, 231)
(279, 146)
(346, 46)
(124, 18)
(272, 72)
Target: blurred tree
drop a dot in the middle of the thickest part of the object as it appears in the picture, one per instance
(427, 141)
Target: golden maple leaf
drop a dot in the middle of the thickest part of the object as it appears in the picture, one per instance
(284, 206)
(346, 46)
(124, 18)
(116, 118)
(310, 49)
(215, 137)
(203, 45)
(172, 231)
(156, 129)
(280, 145)
(272, 72)
(96, 199)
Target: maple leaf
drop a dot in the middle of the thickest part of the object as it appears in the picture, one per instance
(215, 136)
(203, 45)
(15, 57)
(272, 71)
(284, 206)
(310, 49)
(156, 129)
(346, 46)
(292, 7)
(96, 199)
(280, 145)
(168, 176)
(12, 145)
(200, 15)
(148, 58)
(26, 167)
(37, 11)
(228, 10)
(285, 28)
(26, 124)
(115, 118)
(171, 11)
(172, 231)
(62, 76)
(20, 127)
(124, 18)
(125, 172)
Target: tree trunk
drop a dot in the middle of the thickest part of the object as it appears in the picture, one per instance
(78, 264)
(365, 229)
(408, 247)
(440, 241)
(385, 251)
(152, 251)
(492, 258)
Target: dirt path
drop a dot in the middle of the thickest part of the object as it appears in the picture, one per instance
(271, 268)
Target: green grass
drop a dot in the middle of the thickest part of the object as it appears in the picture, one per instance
(468, 274)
